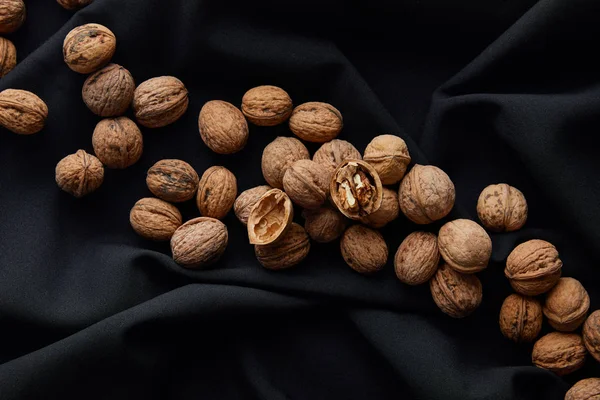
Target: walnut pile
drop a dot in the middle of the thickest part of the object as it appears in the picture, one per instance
(79, 174)
(89, 47)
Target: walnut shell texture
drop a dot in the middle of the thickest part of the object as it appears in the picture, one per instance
(154, 219)
(89, 47)
(79, 174)
(8, 56)
(465, 246)
(109, 91)
(117, 142)
(591, 334)
(306, 183)
(331, 154)
(533, 267)
(324, 224)
(74, 4)
(585, 389)
(223, 127)
(216, 192)
(22, 112)
(278, 156)
(12, 15)
(388, 154)
(417, 258)
(521, 318)
(172, 180)
(199, 242)
(267, 105)
(567, 305)
(289, 250)
(456, 294)
(246, 200)
(160, 101)
(502, 208)
(316, 122)
(356, 189)
(364, 249)
(561, 353)
(270, 217)
(387, 212)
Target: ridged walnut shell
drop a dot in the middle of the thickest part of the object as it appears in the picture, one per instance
(307, 184)
(591, 334)
(172, 180)
(199, 242)
(160, 101)
(12, 15)
(324, 224)
(117, 142)
(79, 174)
(22, 112)
(289, 250)
(417, 258)
(388, 154)
(270, 217)
(316, 122)
(521, 318)
(387, 212)
(333, 153)
(465, 246)
(585, 389)
(267, 105)
(246, 200)
(364, 249)
(223, 127)
(216, 192)
(356, 189)
(109, 91)
(561, 353)
(154, 219)
(89, 47)
(456, 294)
(278, 156)
(502, 208)
(8, 56)
(74, 4)
(533, 267)
(567, 305)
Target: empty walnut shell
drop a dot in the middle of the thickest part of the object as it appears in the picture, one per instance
(79, 174)
(356, 189)
(154, 219)
(12, 15)
(109, 91)
(561, 353)
(388, 154)
(306, 183)
(74, 4)
(22, 112)
(8, 56)
(465, 246)
(160, 101)
(172, 180)
(222, 126)
(289, 250)
(316, 122)
(117, 142)
(324, 224)
(216, 192)
(278, 156)
(521, 318)
(585, 389)
(331, 154)
(199, 242)
(364, 249)
(567, 305)
(502, 208)
(533, 267)
(591, 334)
(267, 105)
(89, 47)
(246, 200)
(456, 294)
(417, 258)
(271, 216)
(387, 212)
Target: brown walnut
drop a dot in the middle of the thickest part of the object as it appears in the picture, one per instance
(502, 208)
(74, 4)
(216, 192)
(246, 200)
(22, 112)
(267, 105)
(521, 318)
(387, 212)
(154, 219)
(417, 258)
(278, 156)
(456, 294)
(306, 183)
(160, 101)
(223, 127)
(388, 154)
(199, 242)
(465, 246)
(270, 217)
(561, 353)
(591, 334)
(364, 249)
(567, 305)
(331, 154)
(533, 267)
(356, 189)
(12, 15)
(172, 180)
(79, 174)
(8, 56)
(585, 389)
(109, 91)
(316, 122)
(289, 250)
(324, 224)
(89, 47)
(117, 142)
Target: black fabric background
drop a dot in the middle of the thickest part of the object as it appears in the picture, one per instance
(495, 91)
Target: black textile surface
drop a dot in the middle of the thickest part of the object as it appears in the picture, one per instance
(490, 91)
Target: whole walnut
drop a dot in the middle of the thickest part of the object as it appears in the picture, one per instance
(223, 127)
(8, 56)
(117, 142)
(79, 174)
(278, 156)
(307, 184)
(289, 250)
(502, 208)
(585, 389)
(417, 258)
(154, 219)
(74, 4)
(331, 154)
(216, 192)
(567, 305)
(109, 91)
(426, 194)
(324, 224)
(270, 217)
(22, 112)
(172, 180)
(12, 15)
(591, 334)
(246, 200)
(521, 318)
(316, 122)
(456, 294)
(356, 189)
(389, 156)
(89, 47)
(267, 105)
(533, 267)
(465, 246)
(387, 212)
(160, 101)
(561, 353)
(364, 249)
(199, 242)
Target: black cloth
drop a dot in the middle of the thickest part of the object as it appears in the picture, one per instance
(490, 91)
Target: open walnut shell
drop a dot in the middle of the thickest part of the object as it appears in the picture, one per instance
(356, 189)
(271, 216)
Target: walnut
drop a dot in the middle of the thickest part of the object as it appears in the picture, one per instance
(456, 294)
(199, 242)
(22, 112)
(117, 142)
(223, 127)
(331, 154)
(521, 318)
(160, 101)
(364, 249)
(316, 122)
(426, 194)
(289, 250)
(154, 219)
(270, 217)
(389, 156)
(417, 258)
(246, 200)
(561, 353)
(306, 183)
(79, 174)
(12, 15)
(533, 267)
(324, 224)
(89, 47)
(216, 192)
(465, 246)
(8, 56)
(567, 305)
(278, 156)
(74, 4)
(387, 212)
(591, 334)
(356, 189)
(267, 105)
(502, 208)
(109, 92)
(585, 389)
(172, 180)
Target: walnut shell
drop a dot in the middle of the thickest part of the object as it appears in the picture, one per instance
(533, 267)
(591, 334)
(172, 180)
(456, 294)
(270, 217)
(316, 122)
(364, 249)
(216, 192)
(305, 182)
(278, 156)
(387, 212)
(74, 4)
(89, 47)
(223, 127)
(388, 154)
(12, 15)
(109, 91)
(154, 219)
(426, 194)
(356, 189)
(22, 112)
(199, 242)
(267, 105)
(8, 56)
(502, 208)
(585, 389)
(561, 353)
(117, 142)
(246, 200)
(417, 258)
(465, 246)
(289, 250)
(79, 174)
(324, 224)
(331, 154)
(567, 305)
(521, 318)
(160, 101)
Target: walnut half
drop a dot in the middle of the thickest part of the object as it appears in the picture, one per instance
(271, 216)
(356, 189)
